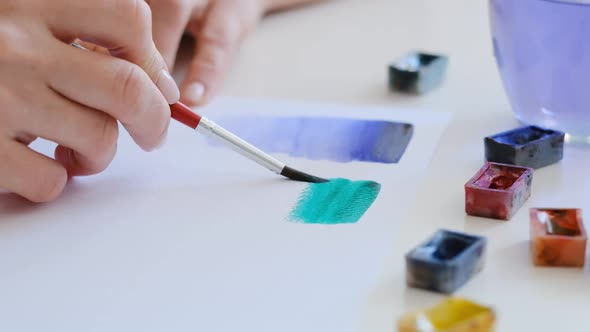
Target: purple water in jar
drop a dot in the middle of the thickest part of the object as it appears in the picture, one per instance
(542, 49)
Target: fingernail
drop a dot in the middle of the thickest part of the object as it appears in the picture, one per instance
(195, 92)
(168, 87)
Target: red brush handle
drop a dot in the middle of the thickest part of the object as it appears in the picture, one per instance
(183, 114)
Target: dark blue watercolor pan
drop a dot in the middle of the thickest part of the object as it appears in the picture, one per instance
(530, 146)
(334, 139)
(418, 72)
(445, 262)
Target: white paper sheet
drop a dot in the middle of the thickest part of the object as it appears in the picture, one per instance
(195, 238)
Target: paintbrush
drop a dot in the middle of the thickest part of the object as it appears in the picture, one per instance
(201, 124)
(186, 116)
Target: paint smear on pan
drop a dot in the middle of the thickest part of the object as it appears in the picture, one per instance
(339, 201)
(320, 138)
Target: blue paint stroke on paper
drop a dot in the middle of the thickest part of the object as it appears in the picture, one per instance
(322, 138)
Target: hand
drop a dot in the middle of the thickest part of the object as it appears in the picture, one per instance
(219, 27)
(73, 97)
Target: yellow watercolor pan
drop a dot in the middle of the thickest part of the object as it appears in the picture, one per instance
(452, 315)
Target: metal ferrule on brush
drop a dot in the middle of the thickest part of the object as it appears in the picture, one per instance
(211, 129)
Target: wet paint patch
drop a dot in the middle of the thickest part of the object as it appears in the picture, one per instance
(339, 201)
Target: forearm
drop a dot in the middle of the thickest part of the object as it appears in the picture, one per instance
(278, 5)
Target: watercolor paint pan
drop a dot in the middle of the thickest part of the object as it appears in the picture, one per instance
(530, 146)
(451, 315)
(446, 261)
(334, 139)
(558, 237)
(498, 191)
(417, 72)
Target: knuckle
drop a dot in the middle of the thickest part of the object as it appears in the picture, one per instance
(216, 37)
(107, 135)
(130, 90)
(11, 44)
(19, 51)
(164, 122)
(143, 14)
(50, 185)
(141, 106)
(161, 121)
(218, 47)
(210, 62)
(138, 14)
(152, 65)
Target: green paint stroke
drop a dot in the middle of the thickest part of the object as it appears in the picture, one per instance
(338, 201)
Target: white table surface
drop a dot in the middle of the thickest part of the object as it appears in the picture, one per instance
(337, 52)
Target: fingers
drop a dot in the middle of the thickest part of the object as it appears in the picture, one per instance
(218, 37)
(32, 175)
(87, 137)
(122, 26)
(78, 164)
(113, 86)
(170, 18)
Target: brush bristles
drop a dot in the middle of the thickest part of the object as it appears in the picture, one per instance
(296, 175)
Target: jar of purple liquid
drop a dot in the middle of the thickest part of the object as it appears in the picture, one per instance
(542, 50)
